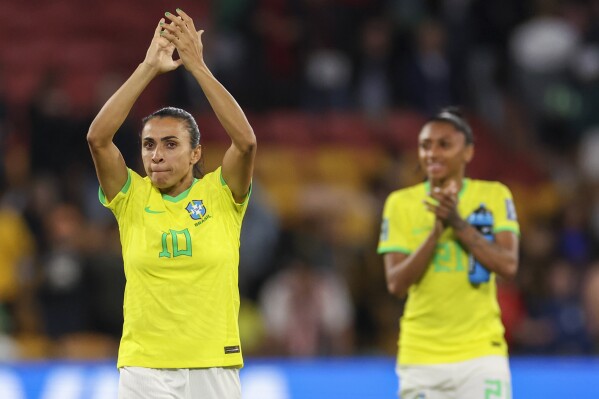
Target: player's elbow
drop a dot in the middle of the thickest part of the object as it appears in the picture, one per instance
(247, 144)
(94, 138)
(509, 269)
(91, 137)
(396, 289)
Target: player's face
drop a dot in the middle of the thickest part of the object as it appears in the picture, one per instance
(167, 154)
(443, 152)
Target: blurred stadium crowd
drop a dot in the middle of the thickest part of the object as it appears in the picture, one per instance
(336, 91)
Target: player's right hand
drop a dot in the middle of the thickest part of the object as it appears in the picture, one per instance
(159, 56)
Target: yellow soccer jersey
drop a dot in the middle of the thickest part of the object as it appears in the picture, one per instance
(446, 318)
(181, 257)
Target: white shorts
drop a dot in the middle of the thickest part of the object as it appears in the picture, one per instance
(482, 378)
(147, 383)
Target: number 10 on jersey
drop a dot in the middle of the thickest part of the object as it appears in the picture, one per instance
(180, 244)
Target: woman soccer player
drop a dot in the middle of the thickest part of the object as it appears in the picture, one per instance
(451, 343)
(179, 231)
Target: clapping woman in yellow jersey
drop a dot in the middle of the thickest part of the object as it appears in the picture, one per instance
(179, 230)
(444, 241)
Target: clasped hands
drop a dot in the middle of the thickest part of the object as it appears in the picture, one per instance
(443, 203)
(179, 34)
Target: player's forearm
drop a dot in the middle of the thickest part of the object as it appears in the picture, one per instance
(113, 113)
(495, 257)
(400, 276)
(227, 110)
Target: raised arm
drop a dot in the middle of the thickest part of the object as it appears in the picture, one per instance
(238, 162)
(109, 163)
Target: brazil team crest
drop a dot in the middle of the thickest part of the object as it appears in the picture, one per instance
(196, 209)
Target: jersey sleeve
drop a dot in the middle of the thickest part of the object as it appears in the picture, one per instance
(506, 218)
(227, 195)
(394, 237)
(119, 203)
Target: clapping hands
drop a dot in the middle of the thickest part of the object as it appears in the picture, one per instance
(179, 34)
(443, 202)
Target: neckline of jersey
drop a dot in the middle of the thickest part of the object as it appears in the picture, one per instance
(179, 197)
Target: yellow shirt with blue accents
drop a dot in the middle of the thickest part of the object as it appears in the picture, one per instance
(181, 257)
(446, 318)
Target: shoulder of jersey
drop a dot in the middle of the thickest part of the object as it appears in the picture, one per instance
(410, 191)
(487, 184)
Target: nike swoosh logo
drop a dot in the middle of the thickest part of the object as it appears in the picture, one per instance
(151, 211)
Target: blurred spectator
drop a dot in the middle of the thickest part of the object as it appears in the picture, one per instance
(585, 70)
(307, 311)
(4, 125)
(513, 311)
(588, 164)
(327, 67)
(590, 296)
(561, 313)
(17, 248)
(588, 155)
(17, 252)
(16, 177)
(327, 80)
(259, 239)
(575, 236)
(63, 293)
(375, 81)
(55, 141)
(104, 280)
(428, 75)
(541, 50)
(478, 34)
(43, 195)
(275, 65)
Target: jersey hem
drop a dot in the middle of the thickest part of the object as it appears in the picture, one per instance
(178, 365)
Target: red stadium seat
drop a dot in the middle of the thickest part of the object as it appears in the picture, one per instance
(292, 128)
(348, 128)
(400, 129)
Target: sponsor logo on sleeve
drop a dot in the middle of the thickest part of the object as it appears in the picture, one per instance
(510, 209)
(385, 230)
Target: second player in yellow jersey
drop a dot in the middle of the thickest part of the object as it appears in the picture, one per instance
(446, 319)
(444, 242)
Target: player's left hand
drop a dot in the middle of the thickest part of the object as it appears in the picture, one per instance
(182, 33)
